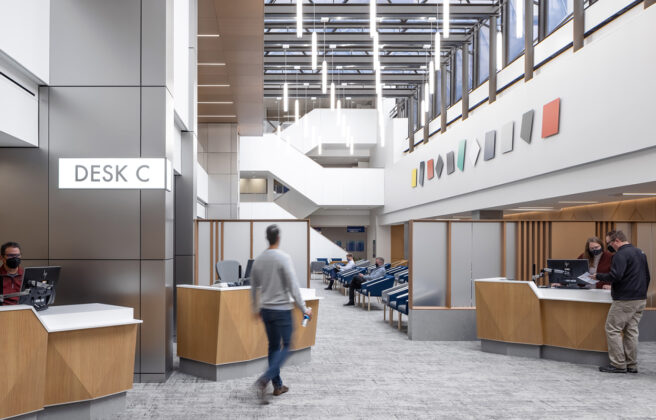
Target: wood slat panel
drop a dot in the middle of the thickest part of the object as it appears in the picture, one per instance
(23, 346)
(88, 364)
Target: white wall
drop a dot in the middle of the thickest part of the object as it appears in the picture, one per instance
(263, 210)
(322, 247)
(605, 114)
(363, 124)
(202, 186)
(19, 115)
(25, 36)
(323, 186)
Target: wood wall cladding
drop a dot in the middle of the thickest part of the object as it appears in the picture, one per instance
(23, 346)
(641, 210)
(534, 246)
(397, 249)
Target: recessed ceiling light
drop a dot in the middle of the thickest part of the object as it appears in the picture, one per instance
(638, 194)
(215, 102)
(208, 35)
(215, 85)
(217, 116)
(211, 64)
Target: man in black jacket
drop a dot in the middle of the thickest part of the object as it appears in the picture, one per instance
(629, 278)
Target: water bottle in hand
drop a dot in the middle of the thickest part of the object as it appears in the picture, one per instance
(306, 319)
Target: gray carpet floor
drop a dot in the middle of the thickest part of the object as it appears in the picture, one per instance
(362, 368)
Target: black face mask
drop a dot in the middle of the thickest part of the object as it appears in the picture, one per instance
(13, 262)
(596, 251)
(611, 249)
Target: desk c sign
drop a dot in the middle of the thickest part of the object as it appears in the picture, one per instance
(116, 174)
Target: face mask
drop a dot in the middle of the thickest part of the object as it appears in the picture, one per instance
(596, 251)
(13, 262)
(611, 249)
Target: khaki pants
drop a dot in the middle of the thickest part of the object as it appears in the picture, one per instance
(622, 332)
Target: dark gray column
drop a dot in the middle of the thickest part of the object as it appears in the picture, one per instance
(492, 83)
(649, 3)
(411, 124)
(465, 81)
(443, 76)
(529, 60)
(579, 25)
(487, 215)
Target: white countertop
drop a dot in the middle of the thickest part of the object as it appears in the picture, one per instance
(306, 294)
(79, 317)
(573, 295)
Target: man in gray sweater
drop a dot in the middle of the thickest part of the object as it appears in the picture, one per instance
(272, 283)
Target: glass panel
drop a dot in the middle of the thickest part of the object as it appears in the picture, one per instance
(515, 39)
(471, 66)
(458, 79)
(448, 87)
(483, 52)
(557, 12)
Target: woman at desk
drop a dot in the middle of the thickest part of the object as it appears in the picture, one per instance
(598, 259)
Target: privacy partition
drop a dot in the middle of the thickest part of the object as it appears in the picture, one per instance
(241, 240)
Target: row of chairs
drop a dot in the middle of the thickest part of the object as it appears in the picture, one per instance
(376, 287)
(395, 298)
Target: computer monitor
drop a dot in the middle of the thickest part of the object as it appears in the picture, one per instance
(41, 282)
(566, 272)
(249, 267)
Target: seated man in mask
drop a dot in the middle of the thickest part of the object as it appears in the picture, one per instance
(11, 272)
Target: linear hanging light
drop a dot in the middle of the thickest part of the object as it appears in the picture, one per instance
(296, 111)
(423, 112)
(519, 18)
(332, 96)
(431, 77)
(499, 51)
(324, 77)
(381, 120)
(285, 97)
(426, 97)
(372, 17)
(299, 18)
(438, 50)
(339, 112)
(314, 51)
(374, 52)
(447, 17)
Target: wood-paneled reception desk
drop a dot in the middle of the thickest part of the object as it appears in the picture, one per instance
(76, 361)
(519, 318)
(219, 338)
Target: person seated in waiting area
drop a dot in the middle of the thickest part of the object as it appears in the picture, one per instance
(599, 260)
(357, 281)
(11, 272)
(350, 264)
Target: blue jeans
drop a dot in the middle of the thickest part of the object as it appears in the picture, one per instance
(278, 325)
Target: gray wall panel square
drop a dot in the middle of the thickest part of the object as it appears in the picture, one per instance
(461, 263)
(293, 240)
(429, 263)
(486, 253)
(156, 40)
(526, 131)
(185, 197)
(110, 282)
(511, 250)
(450, 163)
(507, 137)
(490, 145)
(157, 315)
(95, 42)
(157, 224)
(157, 123)
(88, 224)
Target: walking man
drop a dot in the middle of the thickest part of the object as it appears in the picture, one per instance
(629, 278)
(272, 283)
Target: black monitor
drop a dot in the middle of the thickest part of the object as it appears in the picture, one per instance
(41, 282)
(249, 267)
(566, 272)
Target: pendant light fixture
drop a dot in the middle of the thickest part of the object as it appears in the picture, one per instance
(381, 120)
(314, 51)
(372, 17)
(431, 77)
(447, 16)
(423, 112)
(285, 97)
(299, 18)
(438, 49)
(332, 96)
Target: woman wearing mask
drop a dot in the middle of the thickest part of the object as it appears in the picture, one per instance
(598, 259)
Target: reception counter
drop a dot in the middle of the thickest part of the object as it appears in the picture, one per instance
(519, 318)
(219, 338)
(74, 361)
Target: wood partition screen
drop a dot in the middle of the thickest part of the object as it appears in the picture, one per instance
(216, 240)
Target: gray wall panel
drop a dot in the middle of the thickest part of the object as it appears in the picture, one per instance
(293, 240)
(24, 175)
(511, 250)
(185, 197)
(157, 315)
(156, 40)
(461, 263)
(95, 42)
(429, 263)
(157, 224)
(237, 241)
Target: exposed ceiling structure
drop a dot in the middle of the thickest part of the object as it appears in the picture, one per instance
(230, 63)
(406, 31)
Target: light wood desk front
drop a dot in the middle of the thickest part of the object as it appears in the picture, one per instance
(520, 312)
(216, 325)
(64, 354)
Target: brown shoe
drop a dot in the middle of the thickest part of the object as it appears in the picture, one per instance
(281, 390)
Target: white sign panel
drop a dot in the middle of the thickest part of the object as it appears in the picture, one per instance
(116, 174)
